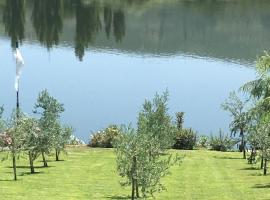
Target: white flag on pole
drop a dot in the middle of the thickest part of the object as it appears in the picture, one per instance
(19, 65)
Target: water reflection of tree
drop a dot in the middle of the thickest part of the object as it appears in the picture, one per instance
(14, 19)
(117, 19)
(47, 21)
(135, 2)
(119, 25)
(88, 24)
(108, 20)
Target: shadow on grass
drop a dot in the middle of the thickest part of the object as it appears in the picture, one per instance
(118, 197)
(29, 173)
(250, 168)
(262, 186)
(49, 161)
(258, 174)
(8, 180)
(27, 167)
(225, 157)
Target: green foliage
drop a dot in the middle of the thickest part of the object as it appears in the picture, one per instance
(237, 109)
(13, 136)
(35, 136)
(180, 119)
(259, 138)
(221, 142)
(29, 128)
(203, 141)
(49, 106)
(139, 162)
(61, 138)
(104, 138)
(2, 125)
(49, 109)
(142, 156)
(75, 141)
(260, 88)
(259, 119)
(32, 139)
(155, 121)
(185, 139)
(263, 64)
(1, 111)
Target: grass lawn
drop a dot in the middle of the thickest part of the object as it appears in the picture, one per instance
(90, 174)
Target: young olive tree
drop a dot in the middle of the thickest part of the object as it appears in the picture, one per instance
(236, 107)
(142, 156)
(49, 109)
(126, 157)
(139, 163)
(155, 122)
(259, 91)
(32, 140)
(61, 138)
(13, 138)
(261, 136)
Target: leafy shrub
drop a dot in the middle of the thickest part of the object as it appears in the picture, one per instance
(203, 141)
(104, 138)
(185, 139)
(73, 140)
(221, 142)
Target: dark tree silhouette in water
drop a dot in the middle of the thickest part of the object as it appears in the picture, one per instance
(88, 24)
(119, 25)
(47, 21)
(14, 19)
(108, 16)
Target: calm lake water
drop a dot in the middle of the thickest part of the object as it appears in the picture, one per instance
(103, 58)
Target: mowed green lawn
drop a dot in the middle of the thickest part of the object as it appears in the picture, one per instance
(91, 174)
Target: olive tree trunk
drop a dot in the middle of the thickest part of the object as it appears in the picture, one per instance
(243, 144)
(133, 189)
(14, 166)
(265, 167)
(137, 189)
(57, 153)
(31, 162)
(45, 164)
(134, 183)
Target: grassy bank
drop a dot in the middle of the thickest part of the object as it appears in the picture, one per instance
(91, 174)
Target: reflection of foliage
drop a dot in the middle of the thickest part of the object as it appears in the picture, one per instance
(119, 25)
(47, 21)
(108, 20)
(135, 2)
(118, 19)
(14, 18)
(88, 24)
